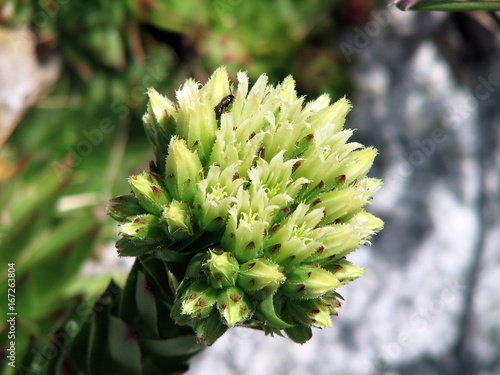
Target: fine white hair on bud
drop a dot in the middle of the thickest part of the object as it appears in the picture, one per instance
(254, 201)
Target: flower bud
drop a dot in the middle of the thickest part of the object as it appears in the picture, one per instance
(183, 170)
(196, 122)
(199, 299)
(217, 86)
(149, 191)
(344, 270)
(145, 228)
(244, 237)
(160, 122)
(343, 204)
(260, 275)
(332, 116)
(221, 268)
(233, 305)
(341, 239)
(215, 196)
(162, 108)
(177, 217)
(124, 207)
(208, 330)
(307, 282)
(357, 165)
(313, 312)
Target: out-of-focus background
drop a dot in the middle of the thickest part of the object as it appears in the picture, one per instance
(426, 93)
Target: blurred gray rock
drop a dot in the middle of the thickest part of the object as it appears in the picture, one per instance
(429, 302)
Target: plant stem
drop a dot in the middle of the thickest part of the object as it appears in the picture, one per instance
(453, 6)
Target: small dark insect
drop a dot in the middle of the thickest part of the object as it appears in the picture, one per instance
(222, 105)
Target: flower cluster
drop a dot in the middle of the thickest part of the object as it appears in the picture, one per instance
(262, 193)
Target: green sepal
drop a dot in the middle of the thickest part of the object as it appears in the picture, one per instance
(123, 207)
(149, 191)
(194, 267)
(143, 228)
(210, 329)
(266, 308)
(199, 299)
(299, 333)
(127, 248)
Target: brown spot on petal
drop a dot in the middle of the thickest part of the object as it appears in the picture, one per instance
(235, 298)
(296, 166)
(274, 249)
(317, 201)
(321, 184)
(236, 176)
(275, 228)
(301, 287)
(309, 137)
(340, 179)
(261, 153)
(251, 246)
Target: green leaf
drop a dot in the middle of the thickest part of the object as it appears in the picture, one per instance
(266, 307)
(453, 6)
(124, 347)
(299, 334)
